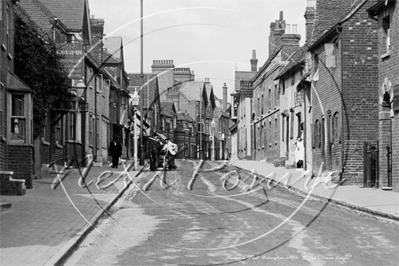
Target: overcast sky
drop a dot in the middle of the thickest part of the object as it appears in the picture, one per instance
(212, 37)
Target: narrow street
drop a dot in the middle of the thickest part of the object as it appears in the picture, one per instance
(165, 223)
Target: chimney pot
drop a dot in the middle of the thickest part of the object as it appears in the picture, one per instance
(294, 28)
(254, 61)
(311, 3)
(224, 98)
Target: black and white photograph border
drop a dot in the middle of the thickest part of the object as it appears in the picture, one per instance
(145, 132)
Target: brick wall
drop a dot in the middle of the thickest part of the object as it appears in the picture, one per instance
(267, 124)
(245, 147)
(23, 169)
(353, 96)
(388, 68)
(326, 100)
(6, 63)
(353, 158)
(165, 71)
(395, 153)
(385, 141)
(45, 152)
(360, 64)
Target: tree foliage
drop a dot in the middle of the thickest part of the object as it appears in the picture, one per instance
(38, 65)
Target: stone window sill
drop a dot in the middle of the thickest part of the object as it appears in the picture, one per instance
(386, 55)
(59, 146)
(73, 141)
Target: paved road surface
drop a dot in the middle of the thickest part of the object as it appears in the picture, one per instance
(210, 225)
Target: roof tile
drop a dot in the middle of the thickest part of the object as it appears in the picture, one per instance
(70, 12)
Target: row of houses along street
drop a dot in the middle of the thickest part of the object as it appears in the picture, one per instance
(329, 107)
(338, 94)
(37, 134)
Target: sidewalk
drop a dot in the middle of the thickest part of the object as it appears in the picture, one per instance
(45, 224)
(373, 201)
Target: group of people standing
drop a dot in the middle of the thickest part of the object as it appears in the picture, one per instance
(158, 148)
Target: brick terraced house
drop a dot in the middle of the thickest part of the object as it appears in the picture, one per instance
(266, 118)
(386, 13)
(344, 99)
(16, 112)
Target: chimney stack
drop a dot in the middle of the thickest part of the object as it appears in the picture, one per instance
(254, 61)
(277, 29)
(224, 97)
(310, 15)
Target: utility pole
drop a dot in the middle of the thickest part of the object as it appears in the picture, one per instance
(95, 120)
(142, 82)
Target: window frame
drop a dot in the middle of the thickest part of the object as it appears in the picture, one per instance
(317, 134)
(262, 104)
(71, 124)
(386, 26)
(91, 128)
(338, 133)
(292, 124)
(59, 130)
(2, 122)
(22, 117)
(299, 122)
(269, 99)
(7, 28)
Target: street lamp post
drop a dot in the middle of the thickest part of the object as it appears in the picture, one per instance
(185, 152)
(83, 109)
(135, 100)
(213, 125)
(221, 146)
(189, 144)
(142, 82)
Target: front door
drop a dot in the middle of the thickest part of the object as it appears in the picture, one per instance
(370, 165)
